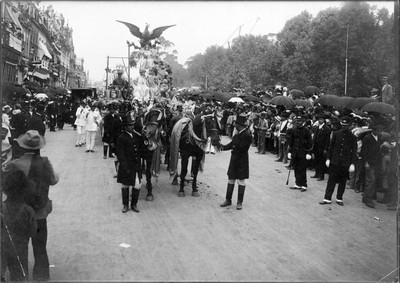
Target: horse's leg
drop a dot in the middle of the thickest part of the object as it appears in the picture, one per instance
(192, 166)
(184, 165)
(149, 186)
(196, 162)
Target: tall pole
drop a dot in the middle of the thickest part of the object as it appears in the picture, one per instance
(206, 81)
(397, 98)
(108, 60)
(345, 73)
(129, 69)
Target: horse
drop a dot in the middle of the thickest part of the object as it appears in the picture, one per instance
(189, 137)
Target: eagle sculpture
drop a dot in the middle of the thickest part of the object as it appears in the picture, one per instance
(145, 36)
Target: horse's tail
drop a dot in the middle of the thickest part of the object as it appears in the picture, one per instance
(174, 144)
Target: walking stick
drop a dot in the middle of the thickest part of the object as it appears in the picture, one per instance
(290, 168)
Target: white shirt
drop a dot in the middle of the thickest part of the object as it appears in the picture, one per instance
(92, 120)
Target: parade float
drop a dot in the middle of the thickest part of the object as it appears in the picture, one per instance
(151, 76)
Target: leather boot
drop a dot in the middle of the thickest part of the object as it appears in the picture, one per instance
(134, 200)
(228, 198)
(105, 149)
(240, 197)
(125, 199)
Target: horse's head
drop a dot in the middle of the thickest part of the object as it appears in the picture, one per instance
(211, 127)
(153, 120)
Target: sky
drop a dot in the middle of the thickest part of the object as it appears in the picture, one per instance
(199, 24)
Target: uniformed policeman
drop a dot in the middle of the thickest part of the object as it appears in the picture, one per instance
(342, 155)
(300, 146)
(128, 151)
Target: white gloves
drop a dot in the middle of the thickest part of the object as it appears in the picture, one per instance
(351, 168)
(308, 157)
(289, 155)
(327, 162)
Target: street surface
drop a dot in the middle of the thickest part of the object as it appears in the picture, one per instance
(280, 235)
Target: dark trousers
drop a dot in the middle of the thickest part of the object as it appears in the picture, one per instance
(261, 141)
(319, 163)
(39, 241)
(337, 175)
(372, 183)
(300, 170)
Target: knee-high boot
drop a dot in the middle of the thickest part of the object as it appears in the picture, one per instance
(240, 197)
(105, 149)
(228, 198)
(134, 200)
(125, 199)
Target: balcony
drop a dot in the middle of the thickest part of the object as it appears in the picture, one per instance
(12, 41)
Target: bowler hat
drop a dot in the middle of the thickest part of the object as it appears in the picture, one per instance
(241, 120)
(129, 118)
(31, 140)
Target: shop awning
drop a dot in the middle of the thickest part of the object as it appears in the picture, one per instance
(43, 51)
(39, 73)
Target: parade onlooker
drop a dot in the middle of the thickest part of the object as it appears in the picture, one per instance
(92, 125)
(5, 117)
(80, 123)
(111, 131)
(387, 91)
(282, 139)
(299, 150)
(262, 132)
(39, 170)
(37, 120)
(320, 146)
(18, 225)
(341, 160)
(52, 115)
(19, 125)
(372, 158)
(239, 162)
(129, 158)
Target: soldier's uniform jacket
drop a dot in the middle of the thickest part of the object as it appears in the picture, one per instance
(129, 151)
(239, 163)
(300, 142)
(321, 138)
(343, 148)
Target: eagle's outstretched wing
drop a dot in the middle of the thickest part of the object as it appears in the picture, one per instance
(158, 31)
(133, 29)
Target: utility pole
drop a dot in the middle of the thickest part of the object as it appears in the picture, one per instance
(107, 69)
(345, 73)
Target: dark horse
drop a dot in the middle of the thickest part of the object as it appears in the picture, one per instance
(150, 125)
(189, 137)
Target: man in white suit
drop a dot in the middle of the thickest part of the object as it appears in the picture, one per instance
(387, 91)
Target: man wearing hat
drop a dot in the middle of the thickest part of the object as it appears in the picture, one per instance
(321, 139)
(93, 118)
(19, 125)
(282, 140)
(372, 158)
(111, 132)
(342, 155)
(239, 162)
(262, 132)
(128, 151)
(300, 146)
(37, 120)
(39, 170)
(387, 91)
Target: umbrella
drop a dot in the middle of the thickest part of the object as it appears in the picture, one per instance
(251, 97)
(359, 102)
(282, 100)
(379, 107)
(329, 100)
(206, 95)
(302, 102)
(296, 93)
(222, 96)
(236, 99)
(41, 96)
(310, 90)
(344, 100)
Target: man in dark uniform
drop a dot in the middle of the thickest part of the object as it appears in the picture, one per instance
(128, 154)
(52, 115)
(372, 158)
(342, 156)
(112, 130)
(320, 146)
(37, 120)
(299, 148)
(239, 163)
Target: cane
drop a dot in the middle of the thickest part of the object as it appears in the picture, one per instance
(290, 168)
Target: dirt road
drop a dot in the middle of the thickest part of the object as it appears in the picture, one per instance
(280, 235)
